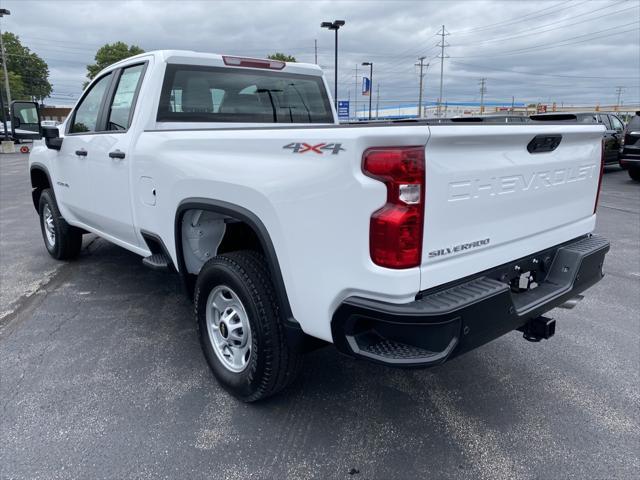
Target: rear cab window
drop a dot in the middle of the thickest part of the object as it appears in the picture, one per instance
(222, 94)
(120, 110)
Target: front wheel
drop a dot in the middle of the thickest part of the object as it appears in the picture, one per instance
(242, 335)
(634, 173)
(62, 240)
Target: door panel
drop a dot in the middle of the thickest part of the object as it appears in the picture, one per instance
(73, 179)
(111, 188)
(111, 170)
(610, 140)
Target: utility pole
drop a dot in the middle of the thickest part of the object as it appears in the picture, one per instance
(4, 12)
(377, 100)
(422, 65)
(513, 104)
(315, 49)
(619, 91)
(442, 45)
(370, 65)
(355, 96)
(483, 90)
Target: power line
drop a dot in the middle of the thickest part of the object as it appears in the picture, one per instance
(556, 44)
(537, 73)
(519, 19)
(527, 32)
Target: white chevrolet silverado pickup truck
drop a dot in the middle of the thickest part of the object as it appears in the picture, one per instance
(406, 244)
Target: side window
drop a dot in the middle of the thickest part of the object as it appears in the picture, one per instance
(616, 123)
(605, 120)
(85, 119)
(122, 104)
(587, 119)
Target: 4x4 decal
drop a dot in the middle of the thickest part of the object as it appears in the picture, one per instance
(320, 148)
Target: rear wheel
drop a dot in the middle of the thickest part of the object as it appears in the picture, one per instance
(62, 240)
(634, 173)
(241, 332)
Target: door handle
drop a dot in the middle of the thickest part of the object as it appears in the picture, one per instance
(116, 154)
(81, 152)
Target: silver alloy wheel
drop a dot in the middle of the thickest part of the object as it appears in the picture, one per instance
(49, 227)
(228, 328)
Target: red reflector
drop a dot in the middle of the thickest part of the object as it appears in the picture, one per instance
(595, 205)
(253, 63)
(395, 233)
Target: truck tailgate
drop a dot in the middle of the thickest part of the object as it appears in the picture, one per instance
(490, 201)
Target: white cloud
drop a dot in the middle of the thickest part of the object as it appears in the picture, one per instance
(564, 51)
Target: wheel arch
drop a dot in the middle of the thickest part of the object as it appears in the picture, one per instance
(40, 179)
(259, 229)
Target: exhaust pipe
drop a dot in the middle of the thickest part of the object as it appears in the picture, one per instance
(572, 302)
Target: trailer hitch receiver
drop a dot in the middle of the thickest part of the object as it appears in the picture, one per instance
(538, 328)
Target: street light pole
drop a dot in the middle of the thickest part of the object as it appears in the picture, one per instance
(370, 65)
(335, 70)
(335, 25)
(3, 12)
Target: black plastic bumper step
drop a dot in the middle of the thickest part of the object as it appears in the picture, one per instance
(392, 350)
(157, 261)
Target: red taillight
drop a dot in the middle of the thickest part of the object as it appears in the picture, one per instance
(253, 63)
(395, 232)
(595, 205)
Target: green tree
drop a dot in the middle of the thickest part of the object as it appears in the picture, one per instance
(283, 57)
(16, 86)
(28, 73)
(108, 54)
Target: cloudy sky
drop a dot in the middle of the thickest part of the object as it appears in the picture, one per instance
(575, 52)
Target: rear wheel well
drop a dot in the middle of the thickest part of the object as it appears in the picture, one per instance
(239, 236)
(39, 182)
(205, 234)
(205, 228)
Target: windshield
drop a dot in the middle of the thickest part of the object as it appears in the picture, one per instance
(212, 94)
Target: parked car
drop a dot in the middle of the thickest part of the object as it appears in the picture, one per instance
(630, 148)
(613, 129)
(402, 244)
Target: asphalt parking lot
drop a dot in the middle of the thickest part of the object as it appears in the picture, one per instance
(102, 377)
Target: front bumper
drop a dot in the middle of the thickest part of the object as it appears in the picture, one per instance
(629, 157)
(447, 321)
(630, 161)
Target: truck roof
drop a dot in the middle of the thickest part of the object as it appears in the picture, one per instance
(191, 57)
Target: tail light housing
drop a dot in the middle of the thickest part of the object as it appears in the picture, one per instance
(595, 205)
(395, 230)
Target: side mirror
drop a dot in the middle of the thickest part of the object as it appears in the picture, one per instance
(25, 121)
(52, 138)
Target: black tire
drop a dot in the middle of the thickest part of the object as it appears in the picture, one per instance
(634, 173)
(272, 364)
(67, 240)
